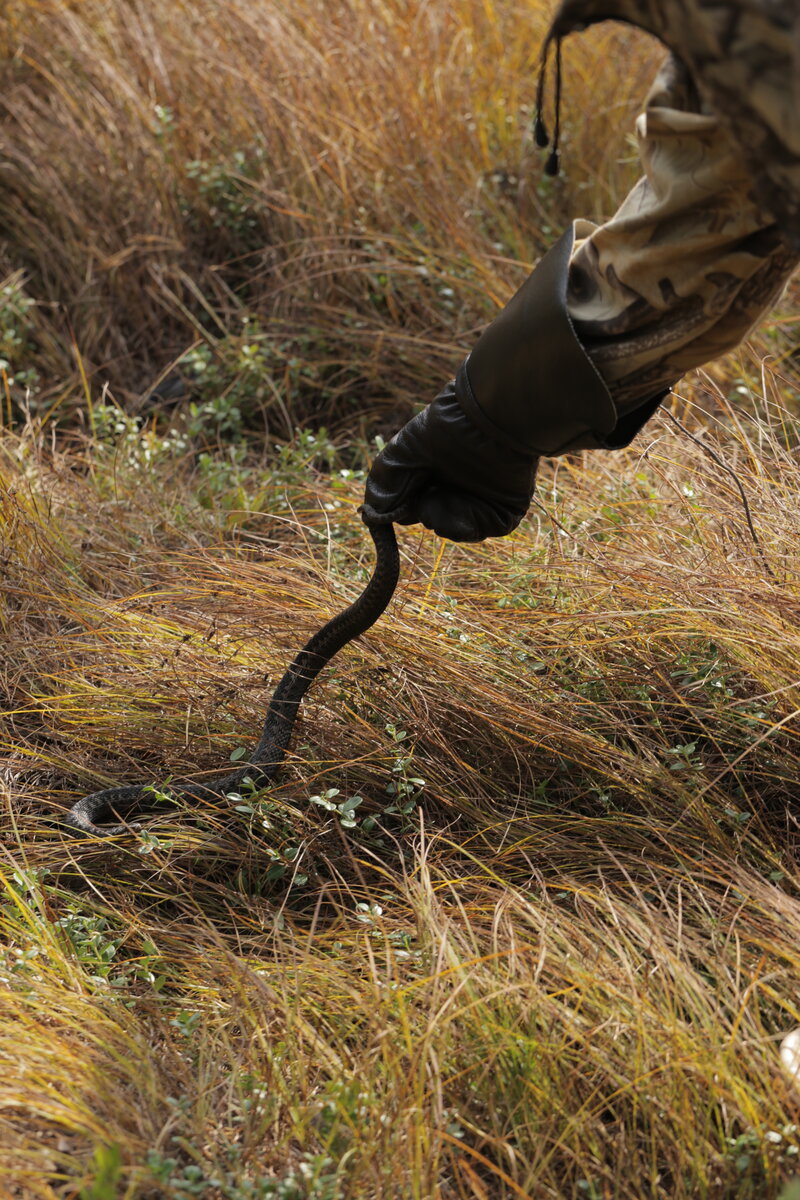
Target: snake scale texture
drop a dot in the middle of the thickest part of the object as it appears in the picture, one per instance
(124, 802)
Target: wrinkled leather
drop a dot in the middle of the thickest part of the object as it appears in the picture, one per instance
(444, 473)
(465, 466)
(528, 380)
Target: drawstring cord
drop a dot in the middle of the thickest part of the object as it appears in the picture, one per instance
(540, 134)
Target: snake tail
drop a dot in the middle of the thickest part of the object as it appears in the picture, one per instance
(121, 803)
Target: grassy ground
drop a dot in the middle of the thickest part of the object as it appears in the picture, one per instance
(348, 189)
(520, 916)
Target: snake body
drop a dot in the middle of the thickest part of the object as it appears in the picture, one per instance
(269, 753)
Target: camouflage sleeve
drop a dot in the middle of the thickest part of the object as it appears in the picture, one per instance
(690, 261)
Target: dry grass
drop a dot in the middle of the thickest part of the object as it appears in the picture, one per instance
(565, 970)
(358, 177)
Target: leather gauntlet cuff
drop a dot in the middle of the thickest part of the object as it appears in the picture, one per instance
(528, 382)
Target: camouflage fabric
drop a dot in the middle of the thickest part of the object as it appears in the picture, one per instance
(744, 59)
(707, 239)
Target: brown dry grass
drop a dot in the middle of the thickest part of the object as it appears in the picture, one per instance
(565, 971)
(358, 176)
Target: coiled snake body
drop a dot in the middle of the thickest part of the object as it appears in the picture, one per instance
(280, 718)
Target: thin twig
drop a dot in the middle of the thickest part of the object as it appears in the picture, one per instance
(720, 463)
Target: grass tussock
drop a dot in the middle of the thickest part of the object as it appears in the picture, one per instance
(551, 950)
(350, 189)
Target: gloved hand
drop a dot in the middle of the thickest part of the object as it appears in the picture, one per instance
(465, 466)
(443, 472)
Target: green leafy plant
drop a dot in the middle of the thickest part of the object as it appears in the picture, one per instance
(405, 788)
(314, 1178)
(17, 342)
(344, 809)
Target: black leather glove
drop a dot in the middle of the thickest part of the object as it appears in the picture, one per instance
(465, 466)
(442, 471)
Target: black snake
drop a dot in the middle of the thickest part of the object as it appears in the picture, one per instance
(268, 754)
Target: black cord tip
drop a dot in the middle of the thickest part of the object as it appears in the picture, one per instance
(540, 134)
